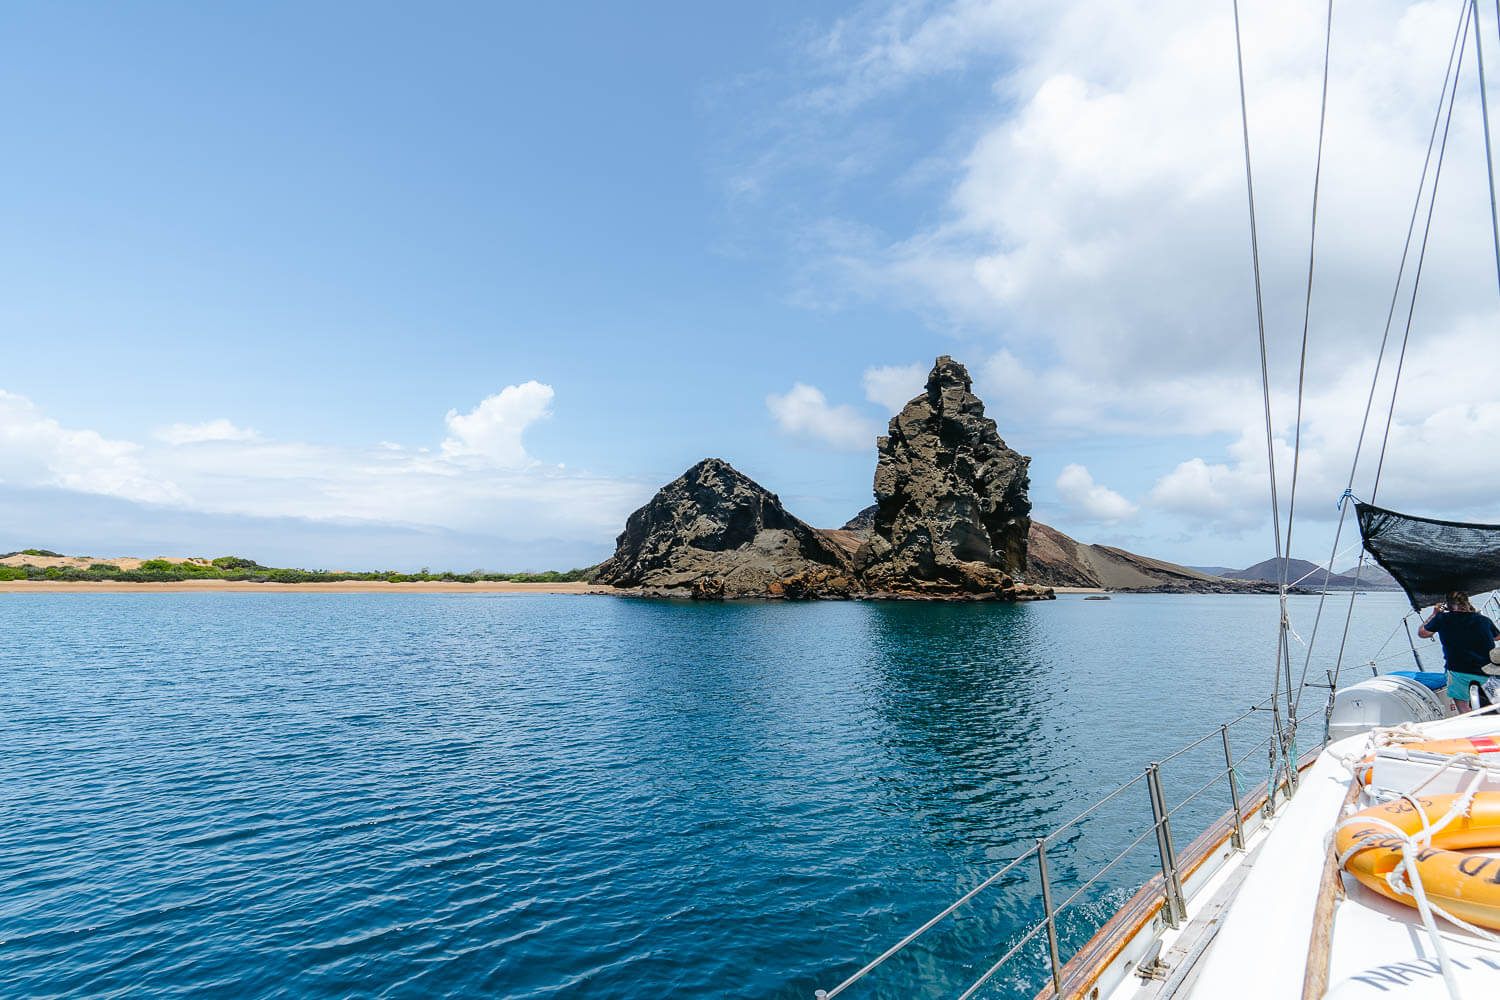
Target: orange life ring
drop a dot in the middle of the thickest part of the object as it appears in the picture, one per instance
(1466, 885)
(1473, 744)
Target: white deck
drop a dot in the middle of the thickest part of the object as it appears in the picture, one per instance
(1250, 924)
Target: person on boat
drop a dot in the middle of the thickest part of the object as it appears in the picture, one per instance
(1467, 637)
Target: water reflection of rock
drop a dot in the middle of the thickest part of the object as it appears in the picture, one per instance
(962, 691)
(975, 760)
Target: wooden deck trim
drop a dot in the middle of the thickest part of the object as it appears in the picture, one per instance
(1082, 971)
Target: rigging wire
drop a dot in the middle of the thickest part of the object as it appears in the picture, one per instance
(1265, 381)
(1484, 111)
(1416, 281)
(1449, 74)
(1312, 244)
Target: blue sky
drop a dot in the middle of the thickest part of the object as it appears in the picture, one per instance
(308, 281)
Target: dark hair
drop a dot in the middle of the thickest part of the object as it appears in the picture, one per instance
(1459, 601)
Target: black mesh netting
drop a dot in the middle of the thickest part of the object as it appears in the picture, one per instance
(1429, 557)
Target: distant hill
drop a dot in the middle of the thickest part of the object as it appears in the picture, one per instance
(1373, 577)
(1212, 570)
(1309, 576)
(1055, 560)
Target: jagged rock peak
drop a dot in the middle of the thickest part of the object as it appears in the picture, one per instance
(948, 373)
(862, 522)
(951, 507)
(715, 531)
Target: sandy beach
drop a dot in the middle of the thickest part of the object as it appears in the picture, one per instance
(349, 587)
(241, 586)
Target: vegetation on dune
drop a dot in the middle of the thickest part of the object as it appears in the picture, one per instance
(248, 570)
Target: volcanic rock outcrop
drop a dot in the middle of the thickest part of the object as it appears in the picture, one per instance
(714, 532)
(951, 510)
(1055, 560)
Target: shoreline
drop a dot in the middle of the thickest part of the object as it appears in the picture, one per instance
(247, 587)
(347, 587)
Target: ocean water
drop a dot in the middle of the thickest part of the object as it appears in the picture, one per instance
(424, 796)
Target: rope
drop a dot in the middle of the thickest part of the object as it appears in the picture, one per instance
(1406, 879)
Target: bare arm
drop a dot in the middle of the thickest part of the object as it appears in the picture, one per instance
(1422, 630)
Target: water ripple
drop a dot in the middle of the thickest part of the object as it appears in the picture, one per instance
(546, 797)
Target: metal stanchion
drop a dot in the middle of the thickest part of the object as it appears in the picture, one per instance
(1041, 858)
(1174, 908)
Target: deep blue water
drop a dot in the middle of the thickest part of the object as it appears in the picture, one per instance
(421, 796)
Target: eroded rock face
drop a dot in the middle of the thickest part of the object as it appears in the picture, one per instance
(951, 506)
(716, 533)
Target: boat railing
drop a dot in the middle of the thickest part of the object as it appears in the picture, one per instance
(1174, 871)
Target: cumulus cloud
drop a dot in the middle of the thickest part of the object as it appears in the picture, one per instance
(1099, 208)
(38, 451)
(493, 429)
(1089, 234)
(481, 476)
(1090, 500)
(212, 430)
(1196, 488)
(893, 386)
(804, 411)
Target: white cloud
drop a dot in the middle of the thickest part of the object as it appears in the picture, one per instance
(1092, 244)
(38, 451)
(804, 411)
(212, 430)
(479, 479)
(1195, 488)
(893, 386)
(1090, 500)
(1097, 217)
(493, 429)
(878, 50)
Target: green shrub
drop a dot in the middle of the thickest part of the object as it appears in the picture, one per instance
(236, 562)
(158, 566)
(12, 573)
(103, 568)
(41, 552)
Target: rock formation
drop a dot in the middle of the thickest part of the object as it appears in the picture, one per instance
(861, 523)
(951, 510)
(713, 532)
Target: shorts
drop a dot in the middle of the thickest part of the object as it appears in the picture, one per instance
(1458, 685)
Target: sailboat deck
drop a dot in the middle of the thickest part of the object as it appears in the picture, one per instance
(1252, 921)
